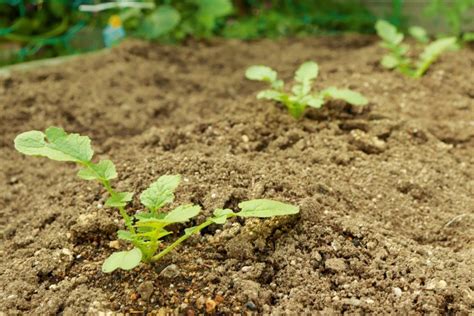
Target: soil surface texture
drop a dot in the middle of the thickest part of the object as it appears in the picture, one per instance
(386, 191)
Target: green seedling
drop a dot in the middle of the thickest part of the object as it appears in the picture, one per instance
(301, 95)
(398, 56)
(145, 230)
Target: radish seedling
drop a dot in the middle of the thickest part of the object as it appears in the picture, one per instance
(145, 229)
(301, 95)
(398, 51)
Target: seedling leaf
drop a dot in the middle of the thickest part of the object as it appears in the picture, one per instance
(57, 146)
(266, 208)
(270, 95)
(104, 170)
(347, 95)
(388, 32)
(307, 72)
(160, 192)
(182, 213)
(221, 215)
(124, 235)
(314, 101)
(119, 199)
(125, 260)
(261, 73)
(419, 34)
(390, 61)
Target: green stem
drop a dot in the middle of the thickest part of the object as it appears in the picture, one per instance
(178, 241)
(112, 192)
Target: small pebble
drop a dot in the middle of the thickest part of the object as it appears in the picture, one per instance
(210, 306)
(170, 272)
(145, 290)
(397, 291)
(246, 269)
(251, 305)
(114, 244)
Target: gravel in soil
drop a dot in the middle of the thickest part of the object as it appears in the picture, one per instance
(386, 191)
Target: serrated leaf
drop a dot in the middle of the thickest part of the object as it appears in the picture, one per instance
(307, 72)
(270, 95)
(160, 22)
(125, 260)
(419, 34)
(119, 199)
(104, 170)
(261, 73)
(388, 32)
(221, 215)
(160, 192)
(55, 145)
(266, 208)
(182, 213)
(389, 61)
(352, 97)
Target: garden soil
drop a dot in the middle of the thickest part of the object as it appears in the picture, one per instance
(386, 191)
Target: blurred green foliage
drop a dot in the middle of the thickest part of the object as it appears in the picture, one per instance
(455, 13)
(32, 29)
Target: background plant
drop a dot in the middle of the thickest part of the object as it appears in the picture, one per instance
(145, 230)
(398, 52)
(301, 95)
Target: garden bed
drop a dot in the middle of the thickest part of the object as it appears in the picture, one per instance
(386, 191)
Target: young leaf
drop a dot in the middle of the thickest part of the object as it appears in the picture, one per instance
(160, 192)
(314, 101)
(221, 215)
(388, 32)
(104, 170)
(125, 260)
(419, 34)
(182, 213)
(124, 235)
(389, 61)
(347, 95)
(119, 199)
(261, 73)
(307, 72)
(432, 52)
(265, 208)
(57, 146)
(270, 95)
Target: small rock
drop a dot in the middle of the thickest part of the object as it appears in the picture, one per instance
(251, 305)
(210, 305)
(351, 301)
(170, 272)
(245, 138)
(114, 244)
(219, 299)
(366, 143)
(441, 284)
(145, 290)
(397, 291)
(246, 269)
(200, 302)
(335, 265)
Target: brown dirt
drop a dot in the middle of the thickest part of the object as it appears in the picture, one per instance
(386, 193)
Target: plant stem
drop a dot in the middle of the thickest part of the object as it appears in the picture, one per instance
(112, 192)
(180, 240)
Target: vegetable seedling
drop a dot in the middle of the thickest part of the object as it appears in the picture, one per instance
(301, 95)
(145, 230)
(398, 57)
